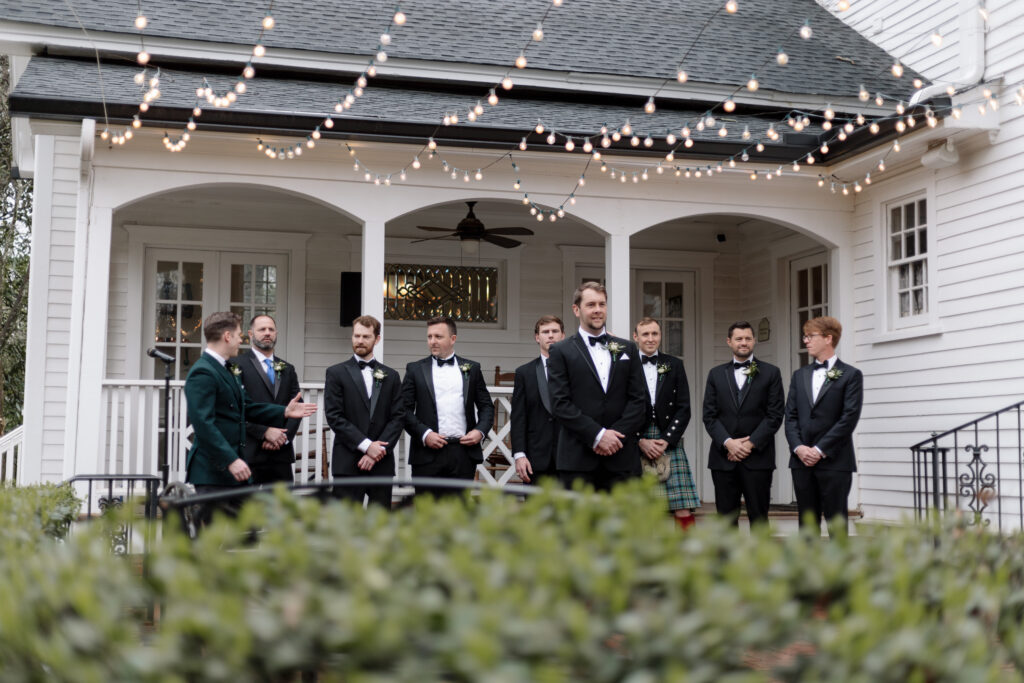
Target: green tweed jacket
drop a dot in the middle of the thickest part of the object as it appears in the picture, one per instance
(217, 409)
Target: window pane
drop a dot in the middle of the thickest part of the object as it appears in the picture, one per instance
(803, 290)
(904, 304)
(895, 225)
(918, 273)
(674, 299)
(816, 291)
(187, 356)
(192, 281)
(166, 323)
(674, 342)
(919, 306)
(904, 276)
(192, 323)
(909, 219)
(237, 282)
(167, 280)
(897, 248)
(922, 241)
(652, 300)
(246, 314)
(909, 236)
(922, 212)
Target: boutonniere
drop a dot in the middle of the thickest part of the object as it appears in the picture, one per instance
(663, 368)
(379, 375)
(465, 367)
(751, 370)
(279, 366)
(235, 370)
(615, 348)
(833, 374)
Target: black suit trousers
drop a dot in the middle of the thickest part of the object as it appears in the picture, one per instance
(454, 461)
(822, 493)
(601, 479)
(272, 472)
(754, 486)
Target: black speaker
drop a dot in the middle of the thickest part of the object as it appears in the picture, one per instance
(351, 297)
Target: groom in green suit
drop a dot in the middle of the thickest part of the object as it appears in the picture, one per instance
(218, 408)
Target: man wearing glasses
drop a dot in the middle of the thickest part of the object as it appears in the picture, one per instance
(822, 410)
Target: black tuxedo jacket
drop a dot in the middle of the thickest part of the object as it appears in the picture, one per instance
(583, 409)
(258, 386)
(671, 409)
(354, 416)
(421, 406)
(534, 430)
(827, 423)
(755, 411)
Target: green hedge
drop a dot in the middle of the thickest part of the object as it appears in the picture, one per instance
(599, 589)
(30, 513)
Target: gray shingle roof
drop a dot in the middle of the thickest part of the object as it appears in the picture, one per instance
(637, 38)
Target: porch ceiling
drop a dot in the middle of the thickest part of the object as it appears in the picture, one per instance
(69, 89)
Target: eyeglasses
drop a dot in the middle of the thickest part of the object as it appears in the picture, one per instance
(811, 336)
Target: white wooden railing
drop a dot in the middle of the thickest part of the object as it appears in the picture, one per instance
(11, 452)
(131, 435)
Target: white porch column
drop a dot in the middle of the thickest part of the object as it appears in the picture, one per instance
(616, 268)
(373, 275)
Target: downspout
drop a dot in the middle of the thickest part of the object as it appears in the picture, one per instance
(972, 52)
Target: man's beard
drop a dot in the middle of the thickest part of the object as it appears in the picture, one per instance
(262, 345)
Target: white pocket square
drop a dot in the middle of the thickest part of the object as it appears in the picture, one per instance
(624, 356)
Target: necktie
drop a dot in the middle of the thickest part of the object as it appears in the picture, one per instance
(599, 339)
(270, 370)
(653, 360)
(367, 364)
(441, 362)
(737, 366)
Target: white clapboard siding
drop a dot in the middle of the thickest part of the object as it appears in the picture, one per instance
(933, 383)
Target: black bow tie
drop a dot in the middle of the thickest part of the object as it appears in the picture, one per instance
(737, 366)
(599, 339)
(441, 362)
(367, 364)
(653, 360)
(820, 366)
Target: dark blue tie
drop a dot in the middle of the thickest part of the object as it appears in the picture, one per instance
(270, 370)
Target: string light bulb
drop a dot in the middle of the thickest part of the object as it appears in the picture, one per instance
(268, 22)
(682, 76)
(521, 61)
(649, 106)
(570, 145)
(731, 6)
(506, 83)
(141, 22)
(752, 84)
(729, 106)
(258, 50)
(142, 57)
(897, 69)
(492, 98)
(399, 17)
(782, 59)
(522, 145)
(538, 33)
(805, 31)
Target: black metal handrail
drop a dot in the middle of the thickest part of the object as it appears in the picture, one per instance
(947, 484)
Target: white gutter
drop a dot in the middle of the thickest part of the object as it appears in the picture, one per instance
(972, 52)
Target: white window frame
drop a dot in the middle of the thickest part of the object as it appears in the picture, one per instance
(142, 237)
(889, 326)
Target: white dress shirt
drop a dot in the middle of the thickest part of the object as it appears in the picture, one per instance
(651, 375)
(260, 357)
(740, 373)
(367, 374)
(602, 358)
(216, 356)
(544, 362)
(451, 410)
(819, 376)
(603, 362)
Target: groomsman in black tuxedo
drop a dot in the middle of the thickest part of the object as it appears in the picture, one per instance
(534, 430)
(268, 378)
(598, 396)
(448, 409)
(743, 408)
(822, 410)
(363, 406)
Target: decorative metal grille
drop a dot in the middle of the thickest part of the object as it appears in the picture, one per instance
(420, 292)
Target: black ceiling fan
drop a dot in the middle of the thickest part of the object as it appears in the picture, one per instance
(471, 228)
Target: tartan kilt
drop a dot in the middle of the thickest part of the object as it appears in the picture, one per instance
(679, 491)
